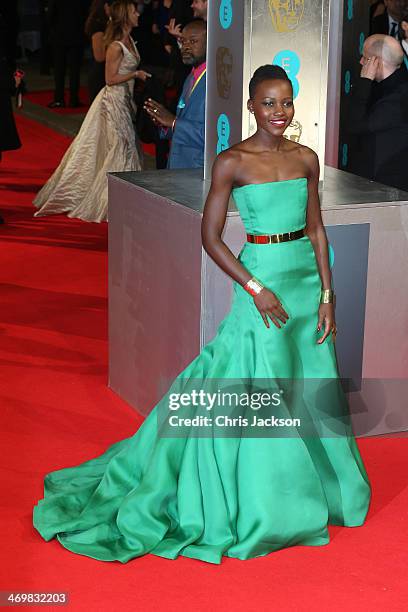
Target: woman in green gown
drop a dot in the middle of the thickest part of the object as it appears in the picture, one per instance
(242, 496)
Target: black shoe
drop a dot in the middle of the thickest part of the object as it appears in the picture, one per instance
(56, 104)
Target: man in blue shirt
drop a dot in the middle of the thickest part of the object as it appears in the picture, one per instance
(186, 129)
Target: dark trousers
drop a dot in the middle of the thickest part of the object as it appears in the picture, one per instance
(96, 78)
(67, 57)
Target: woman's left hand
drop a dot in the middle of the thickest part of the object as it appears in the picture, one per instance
(142, 75)
(326, 320)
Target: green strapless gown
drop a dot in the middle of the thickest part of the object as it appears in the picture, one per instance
(240, 497)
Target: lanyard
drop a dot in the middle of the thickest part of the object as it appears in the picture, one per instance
(197, 81)
(181, 104)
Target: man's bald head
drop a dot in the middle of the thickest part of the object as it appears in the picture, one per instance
(386, 48)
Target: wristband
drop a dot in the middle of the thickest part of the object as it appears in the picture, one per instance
(253, 286)
(327, 296)
(173, 124)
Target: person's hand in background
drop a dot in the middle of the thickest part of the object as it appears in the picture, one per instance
(173, 28)
(380, 10)
(369, 67)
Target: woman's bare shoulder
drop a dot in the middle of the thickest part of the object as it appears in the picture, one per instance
(300, 149)
(311, 160)
(114, 49)
(237, 153)
(307, 156)
(226, 165)
(229, 157)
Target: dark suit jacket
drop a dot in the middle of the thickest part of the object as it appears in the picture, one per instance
(9, 138)
(380, 24)
(9, 32)
(380, 120)
(67, 21)
(187, 144)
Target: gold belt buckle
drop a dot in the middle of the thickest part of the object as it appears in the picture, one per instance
(276, 238)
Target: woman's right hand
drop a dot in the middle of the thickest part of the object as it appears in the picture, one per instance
(142, 75)
(269, 306)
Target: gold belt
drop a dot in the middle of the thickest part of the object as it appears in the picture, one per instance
(274, 238)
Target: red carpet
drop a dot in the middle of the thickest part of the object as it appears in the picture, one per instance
(57, 411)
(45, 96)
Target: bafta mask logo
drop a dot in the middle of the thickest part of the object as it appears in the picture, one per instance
(294, 131)
(286, 14)
(224, 72)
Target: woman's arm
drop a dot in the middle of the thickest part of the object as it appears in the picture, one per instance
(314, 223)
(98, 47)
(113, 58)
(317, 235)
(215, 212)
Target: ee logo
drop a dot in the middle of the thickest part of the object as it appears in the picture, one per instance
(344, 155)
(347, 81)
(350, 10)
(223, 132)
(361, 43)
(225, 13)
(290, 62)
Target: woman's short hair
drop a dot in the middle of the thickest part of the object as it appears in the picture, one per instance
(266, 73)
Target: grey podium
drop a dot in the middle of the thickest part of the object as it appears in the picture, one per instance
(167, 297)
